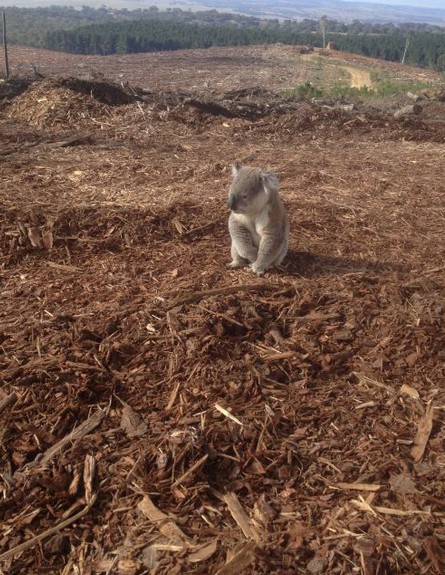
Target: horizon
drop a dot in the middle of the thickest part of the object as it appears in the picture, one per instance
(162, 5)
(437, 4)
(339, 10)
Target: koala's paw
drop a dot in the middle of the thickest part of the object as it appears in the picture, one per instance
(257, 270)
(233, 265)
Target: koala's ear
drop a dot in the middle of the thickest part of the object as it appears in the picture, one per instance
(270, 181)
(236, 167)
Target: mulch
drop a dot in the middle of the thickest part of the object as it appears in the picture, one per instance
(160, 414)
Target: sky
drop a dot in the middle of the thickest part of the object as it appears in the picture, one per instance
(420, 3)
(188, 3)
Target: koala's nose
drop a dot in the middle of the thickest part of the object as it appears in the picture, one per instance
(231, 202)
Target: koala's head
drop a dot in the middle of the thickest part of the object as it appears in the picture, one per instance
(251, 189)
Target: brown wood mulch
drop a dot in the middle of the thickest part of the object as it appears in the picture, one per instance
(160, 414)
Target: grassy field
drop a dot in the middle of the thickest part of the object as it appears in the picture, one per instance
(324, 77)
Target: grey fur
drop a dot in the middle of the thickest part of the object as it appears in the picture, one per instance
(258, 223)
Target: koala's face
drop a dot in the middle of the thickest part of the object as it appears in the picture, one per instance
(248, 193)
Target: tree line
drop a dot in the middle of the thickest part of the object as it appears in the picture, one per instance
(157, 35)
(29, 26)
(425, 49)
(109, 31)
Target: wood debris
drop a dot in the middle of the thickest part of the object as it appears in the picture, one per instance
(160, 413)
(165, 524)
(424, 428)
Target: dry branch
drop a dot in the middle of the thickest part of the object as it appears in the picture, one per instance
(411, 109)
(375, 509)
(206, 226)
(192, 469)
(279, 356)
(63, 267)
(56, 529)
(83, 429)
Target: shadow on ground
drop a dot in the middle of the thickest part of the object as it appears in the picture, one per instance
(307, 265)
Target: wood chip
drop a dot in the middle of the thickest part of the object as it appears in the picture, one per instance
(242, 558)
(59, 527)
(88, 477)
(117, 566)
(204, 552)
(240, 516)
(8, 401)
(165, 524)
(409, 390)
(359, 486)
(132, 423)
(435, 552)
(227, 414)
(424, 427)
(365, 380)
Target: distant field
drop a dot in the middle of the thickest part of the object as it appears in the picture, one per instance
(279, 67)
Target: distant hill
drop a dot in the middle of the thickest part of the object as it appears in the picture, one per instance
(427, 3)
(395, 11)
(335, 9)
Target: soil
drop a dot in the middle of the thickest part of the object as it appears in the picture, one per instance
(359, 78)
(162, 414)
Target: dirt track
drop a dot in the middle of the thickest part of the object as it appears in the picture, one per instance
(291, 424)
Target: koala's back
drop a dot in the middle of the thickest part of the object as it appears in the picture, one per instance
(278, 227)
(277, 211)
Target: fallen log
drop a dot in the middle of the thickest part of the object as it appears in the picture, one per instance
(411, 109)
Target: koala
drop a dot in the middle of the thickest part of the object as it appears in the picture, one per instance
(258, 223)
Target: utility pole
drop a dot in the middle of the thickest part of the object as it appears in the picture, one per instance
(406, 49)
(322, 23)
(5, 46)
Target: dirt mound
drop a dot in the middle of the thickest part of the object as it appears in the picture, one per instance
(66, 102)
(69, 102)
(105, 92)
(13, 87)
(327, 121)
(48, 104)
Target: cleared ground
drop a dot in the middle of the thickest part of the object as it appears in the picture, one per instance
(161, 414)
